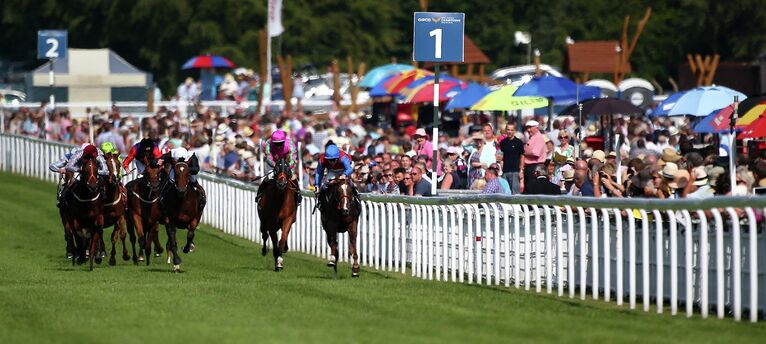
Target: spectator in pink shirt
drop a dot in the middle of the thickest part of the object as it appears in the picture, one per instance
(534, 150)
(424, 147)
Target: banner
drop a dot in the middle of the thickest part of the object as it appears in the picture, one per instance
(275, 18)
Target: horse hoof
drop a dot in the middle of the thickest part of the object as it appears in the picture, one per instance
(177, 268)
(354, 271)
(157, 255)
(140, 258)
(354, 274)
(69, 256)
(264, 250)
(125, 257)
(169, 260)
(331, 261)
(280, 263)
(98, 260)
(112, 261)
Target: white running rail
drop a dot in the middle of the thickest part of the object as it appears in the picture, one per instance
(666, 253)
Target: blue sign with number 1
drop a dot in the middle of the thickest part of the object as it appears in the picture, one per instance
(51, 44)
(438, 37)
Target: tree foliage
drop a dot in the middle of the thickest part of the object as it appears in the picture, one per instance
(160, 35)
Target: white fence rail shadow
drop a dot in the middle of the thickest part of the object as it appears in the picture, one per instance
(702, 256)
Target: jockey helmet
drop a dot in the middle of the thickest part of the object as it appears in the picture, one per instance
(86, 144)
(178, 153)
(90, 151)
(332, 152)
(146, 143)
(278, 136)
(108, 148)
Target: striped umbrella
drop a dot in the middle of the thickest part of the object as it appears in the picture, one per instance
(207, 61)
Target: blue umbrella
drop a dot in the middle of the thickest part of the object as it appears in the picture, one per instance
(664, 107)
(377, 74)
(467, 96)
(703, 100)
(558, 88)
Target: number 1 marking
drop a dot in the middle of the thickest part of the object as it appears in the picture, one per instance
(438, 34)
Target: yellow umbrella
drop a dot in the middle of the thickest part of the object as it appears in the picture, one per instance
(503, 100)
(752, 115)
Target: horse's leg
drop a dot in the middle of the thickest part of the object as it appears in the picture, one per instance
(265, 237)
(112, 260)
(286, 225)
(131, 227)
(100, 247)
(189, 247)
(94, 239)
(157, 245)
(352, 231)
(123, 233)
(171, 231)
(67, 235)
(277, 252)
(141, 234)
(332, 241)
(150, 233)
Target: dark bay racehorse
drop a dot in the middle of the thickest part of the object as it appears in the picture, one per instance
(115, 206)
(277, 209)
(181, 210)
(84, 219)
(66, 180)
(340, 214)
(144, 212)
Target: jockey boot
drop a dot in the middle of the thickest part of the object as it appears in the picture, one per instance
(298, 197)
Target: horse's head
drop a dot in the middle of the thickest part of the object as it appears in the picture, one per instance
(342, 194)
(152, 174)
(112, 163)
(282, 173)
(88, 173)
(181, 171)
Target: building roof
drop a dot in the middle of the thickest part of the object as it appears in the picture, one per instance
(594, 57)
(471, 54)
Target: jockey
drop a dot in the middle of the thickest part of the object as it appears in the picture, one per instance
(181, 154)
(280, 146)
(338, 165)
(145, 149)
(88, 151)
(60, 168)
(108, 148)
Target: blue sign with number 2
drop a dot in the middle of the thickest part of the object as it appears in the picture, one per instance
(438, 37)
(51, 44)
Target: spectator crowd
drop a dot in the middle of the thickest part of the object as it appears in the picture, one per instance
(636, 156)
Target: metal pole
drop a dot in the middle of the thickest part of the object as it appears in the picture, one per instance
(51, 100)
(2, 121)
(300, 166)
(90, 127)
(733, 145)
(435, 137)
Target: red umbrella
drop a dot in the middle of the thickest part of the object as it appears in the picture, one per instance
(208, 61)
(424, 93)
(754, 130)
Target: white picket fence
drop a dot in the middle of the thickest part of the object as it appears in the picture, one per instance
(667, 253)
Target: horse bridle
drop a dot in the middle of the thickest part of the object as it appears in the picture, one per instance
(184, 165)
(92, 175)
(343, 197)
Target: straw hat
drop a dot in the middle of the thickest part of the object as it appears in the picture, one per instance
(569, 175)
(600, 155)
(673, 131)
(680, 179)
(669, 170)
(701, 176)
(670, 155)
(532, 123)
(591, 130)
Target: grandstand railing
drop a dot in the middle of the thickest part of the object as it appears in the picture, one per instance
(700, 256)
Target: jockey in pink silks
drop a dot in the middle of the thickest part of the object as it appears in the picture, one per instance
(277, 147)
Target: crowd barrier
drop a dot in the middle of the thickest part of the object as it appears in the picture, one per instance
(688, 256)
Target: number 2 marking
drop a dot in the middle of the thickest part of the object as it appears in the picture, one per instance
(52, 52)
(437, 33)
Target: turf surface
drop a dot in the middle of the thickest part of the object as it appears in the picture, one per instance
(229, 293)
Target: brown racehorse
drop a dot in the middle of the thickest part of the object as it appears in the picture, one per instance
(144, 211)
(66, 179)
(85, 213)
(115, 206)
(340, 214)
(181, 210)
(277, 210)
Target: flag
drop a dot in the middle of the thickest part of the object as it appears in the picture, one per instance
(275, 18)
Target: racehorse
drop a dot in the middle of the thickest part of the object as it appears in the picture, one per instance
(340, 214)
(66, 180)
(115, 204)
(144, 211)
(181, 210)
(85, 213)
(277, 209)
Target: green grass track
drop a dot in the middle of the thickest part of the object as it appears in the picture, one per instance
(229, 293)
